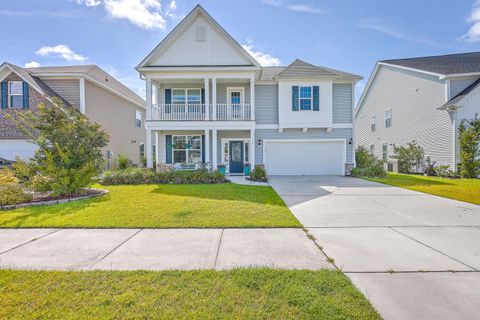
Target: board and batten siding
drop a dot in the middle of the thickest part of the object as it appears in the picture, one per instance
(342, 102)
(68, 89)
(458, 85)
(414, 98)
(298, 134)
(266, 104)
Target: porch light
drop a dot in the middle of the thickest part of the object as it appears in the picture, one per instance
(259, 142)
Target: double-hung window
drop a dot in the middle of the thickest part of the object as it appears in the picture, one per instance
(388, 118)
(15, 94)
(186, 96)
(138, 119)
(305, 98)
(385, 152)
(187, 149)
(374, 123)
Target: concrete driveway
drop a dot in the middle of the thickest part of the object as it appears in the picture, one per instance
(415, 256)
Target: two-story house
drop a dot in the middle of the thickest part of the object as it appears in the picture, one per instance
(210, 101)
(95, 93)
(422, 99)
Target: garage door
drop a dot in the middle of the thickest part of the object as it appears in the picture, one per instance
(9, 149)
(304, 157)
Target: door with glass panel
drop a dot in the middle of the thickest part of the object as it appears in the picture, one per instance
(187, 103)
(236, 156)
(235, 97)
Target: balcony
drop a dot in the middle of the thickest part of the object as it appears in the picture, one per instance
(198, 112)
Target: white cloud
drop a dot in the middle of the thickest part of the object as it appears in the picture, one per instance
(265, 59)
(473, 34)
(32, 64)
(90, 3)
(297, 7)
(60, 51)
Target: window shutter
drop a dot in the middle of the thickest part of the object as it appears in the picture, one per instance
(168, 148)
(203, 148)
(168, 96)
(203, 97)
(4, 94)
(316, 98)
(26, 100)
(294, 98)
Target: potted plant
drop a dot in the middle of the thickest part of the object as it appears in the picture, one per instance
(221, 168)
(246, 169)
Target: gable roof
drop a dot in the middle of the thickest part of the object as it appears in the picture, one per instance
(300, 69)
(452, 102)
(450, 64)
(198, 10)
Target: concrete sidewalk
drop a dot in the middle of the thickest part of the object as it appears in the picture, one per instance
(157, 249)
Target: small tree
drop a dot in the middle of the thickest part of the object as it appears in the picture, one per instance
(409, 157)
(363, 158)
(469, 137)
(69, 146)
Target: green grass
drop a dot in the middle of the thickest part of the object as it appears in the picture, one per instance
(163, 206)
(467, 190)
(235, 294)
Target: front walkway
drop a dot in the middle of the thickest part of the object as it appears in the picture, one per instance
(414, 255)
(157, 249)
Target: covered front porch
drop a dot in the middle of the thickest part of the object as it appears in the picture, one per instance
(213, 148)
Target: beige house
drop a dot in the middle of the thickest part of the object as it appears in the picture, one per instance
(91, 90)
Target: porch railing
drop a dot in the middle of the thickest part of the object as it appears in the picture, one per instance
(196, 112)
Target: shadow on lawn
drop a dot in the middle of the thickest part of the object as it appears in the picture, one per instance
(230, 192)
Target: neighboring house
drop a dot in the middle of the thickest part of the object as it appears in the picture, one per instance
(209, 101)
(422, 99)
(88, 88)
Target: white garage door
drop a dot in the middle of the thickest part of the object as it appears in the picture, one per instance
(9, 149)
(304, 157)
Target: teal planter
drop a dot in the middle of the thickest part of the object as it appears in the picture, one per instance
(246, 170)
(222, 170)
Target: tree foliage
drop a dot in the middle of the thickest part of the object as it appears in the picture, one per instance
(367, 165)
(410, 158)
(469, 137)
(69, 146)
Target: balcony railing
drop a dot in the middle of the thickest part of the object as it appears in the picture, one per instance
(196, 112)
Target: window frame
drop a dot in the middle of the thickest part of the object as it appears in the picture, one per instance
(138, 121)
(372, 149)
(385, 152)
(185, 91)
(10, 94)
(300, 98)
(373, 123)
(141, 150)
(388, 119)
(187, 151)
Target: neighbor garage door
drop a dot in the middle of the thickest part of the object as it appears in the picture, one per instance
(304, 157)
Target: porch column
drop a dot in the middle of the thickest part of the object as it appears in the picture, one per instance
(148, 150)
(149, 100)
(206, 84)
(157, 147)
(214, 149)
(251, 150)
(252, 98)
(207, 146)
(214, 98)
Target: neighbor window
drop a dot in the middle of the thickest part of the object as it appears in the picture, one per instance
(138, 119)
(388, 118)
(142, 150)
(372, 149)
(374, 123)
(385, 152)
(15, 94)
(187, 149)
(305, 97)
(186, 96)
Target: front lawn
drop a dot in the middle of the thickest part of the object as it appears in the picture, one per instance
(467, 190)
(163, 206)
(235, 294)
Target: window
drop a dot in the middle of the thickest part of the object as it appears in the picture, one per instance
(186, 96)
(374, 123)
(142, 150)
(187, 149)
(385, 152)
(305, 97)
(138, 119)
(388, 118)
(372, 149)
(15, 94)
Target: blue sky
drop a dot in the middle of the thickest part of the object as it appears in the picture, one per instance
(348, 35)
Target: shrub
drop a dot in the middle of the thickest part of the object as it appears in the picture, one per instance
(7, 177)
(258, 174)
(363, 157)
(41, 183)
(69, 146)
(123, 162)
(469, 137)
(410, 158)
(13, 194)
(367, 165)
(148, 176)
(376, 171)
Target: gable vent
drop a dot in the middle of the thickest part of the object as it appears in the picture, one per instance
(200, 34)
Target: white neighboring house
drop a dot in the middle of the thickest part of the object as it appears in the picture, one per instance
(209, 101)
(422, 99)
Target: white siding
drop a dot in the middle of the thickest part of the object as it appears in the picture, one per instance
(458, 85)
(68, 89)
(469, 105)
(414, 98)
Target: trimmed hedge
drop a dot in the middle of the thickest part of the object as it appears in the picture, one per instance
(148, 176)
